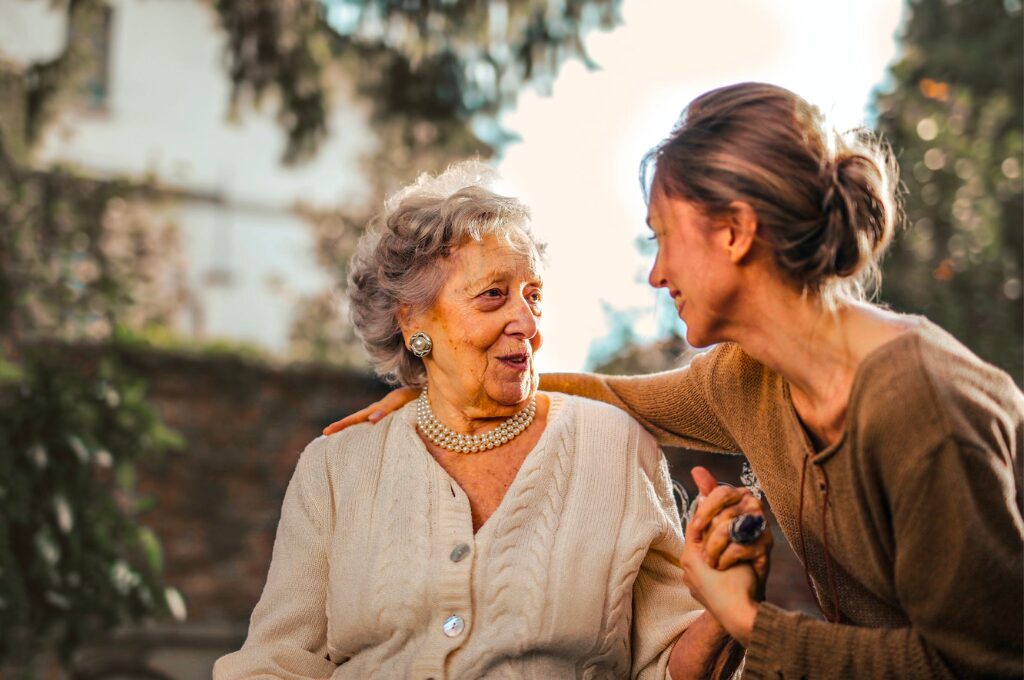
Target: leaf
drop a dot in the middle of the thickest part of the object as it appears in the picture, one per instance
(151, 549)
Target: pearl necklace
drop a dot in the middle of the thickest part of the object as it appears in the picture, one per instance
(441, 435)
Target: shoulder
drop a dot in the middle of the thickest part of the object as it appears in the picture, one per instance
(734, 373)
(590, 417)
(364, 444)
(602, 429)
(927, 386)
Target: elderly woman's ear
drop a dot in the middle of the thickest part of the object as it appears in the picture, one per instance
(408, 323)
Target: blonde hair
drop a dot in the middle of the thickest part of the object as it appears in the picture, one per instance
(827, 203)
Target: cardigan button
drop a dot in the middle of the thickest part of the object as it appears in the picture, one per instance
(453, 626)
(459, 552)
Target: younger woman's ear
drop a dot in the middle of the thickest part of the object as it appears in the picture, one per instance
(742, 226)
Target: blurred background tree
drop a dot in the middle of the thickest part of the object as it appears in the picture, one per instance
(86, 259)
(438, 74)
(75, 254)
(429, 63)
(952, 110)
(75, 560)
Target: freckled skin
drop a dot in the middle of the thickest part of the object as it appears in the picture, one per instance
(486, 476)
(487, 311)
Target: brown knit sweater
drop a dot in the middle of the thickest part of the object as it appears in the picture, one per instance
(920, 500)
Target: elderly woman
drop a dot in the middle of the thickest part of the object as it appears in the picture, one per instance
(486, 529)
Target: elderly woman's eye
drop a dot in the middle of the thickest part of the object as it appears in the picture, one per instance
(493, 292)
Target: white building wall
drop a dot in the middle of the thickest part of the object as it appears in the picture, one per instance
(30, 30)
(167, 117)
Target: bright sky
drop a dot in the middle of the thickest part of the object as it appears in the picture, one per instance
(578, 160)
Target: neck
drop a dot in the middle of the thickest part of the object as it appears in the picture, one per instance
(470, 416)
(816, 349)
(805, 343)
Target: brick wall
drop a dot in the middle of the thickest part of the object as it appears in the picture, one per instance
(217, 500)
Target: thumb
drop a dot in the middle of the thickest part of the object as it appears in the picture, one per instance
(704, 480)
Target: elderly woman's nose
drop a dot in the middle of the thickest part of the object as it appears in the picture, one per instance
(523, 318)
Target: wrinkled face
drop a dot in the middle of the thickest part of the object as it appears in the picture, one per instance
(691, 265)
(485, 329)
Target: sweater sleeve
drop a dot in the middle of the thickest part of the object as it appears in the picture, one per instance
(674, 406)
(662, 605)
(288, 630)
(957, 563)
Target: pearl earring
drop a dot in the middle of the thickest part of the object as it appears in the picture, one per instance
(420, 344)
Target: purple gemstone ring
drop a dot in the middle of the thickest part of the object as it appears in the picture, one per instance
(746, 529)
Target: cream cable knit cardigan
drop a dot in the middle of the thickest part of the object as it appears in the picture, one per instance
(575, 575)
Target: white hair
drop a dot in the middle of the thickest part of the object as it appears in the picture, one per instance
(399, 260)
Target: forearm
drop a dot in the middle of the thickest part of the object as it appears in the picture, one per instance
(796, 645)
(589, 385)
(673, 406)
(704, 650)
(601, 388)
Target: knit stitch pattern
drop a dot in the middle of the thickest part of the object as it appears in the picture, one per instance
(575, 574)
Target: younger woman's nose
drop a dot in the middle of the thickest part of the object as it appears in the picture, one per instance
(656, 279)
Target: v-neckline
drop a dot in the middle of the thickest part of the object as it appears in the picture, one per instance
(534, 457)
(819, 456)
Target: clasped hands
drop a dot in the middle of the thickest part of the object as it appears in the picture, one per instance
(726, 577)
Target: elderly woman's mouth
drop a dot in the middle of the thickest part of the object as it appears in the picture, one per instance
(517, 362)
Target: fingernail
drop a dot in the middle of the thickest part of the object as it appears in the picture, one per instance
(375, 416)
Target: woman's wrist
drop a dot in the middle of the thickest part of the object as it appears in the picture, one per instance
(738, 621)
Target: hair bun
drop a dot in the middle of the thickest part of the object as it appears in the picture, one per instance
(858, 210)
(825, 203)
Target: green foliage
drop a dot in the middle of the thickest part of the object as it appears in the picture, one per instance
(425, 61)
(48, 81)
(159, 337)
(54, 275)
(74, 560)
(468, 56)
(281, 47)
(953, 113)
(79, 256)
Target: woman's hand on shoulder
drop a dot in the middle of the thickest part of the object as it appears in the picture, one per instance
(392, 401)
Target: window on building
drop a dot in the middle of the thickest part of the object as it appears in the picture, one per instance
(91, 30)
